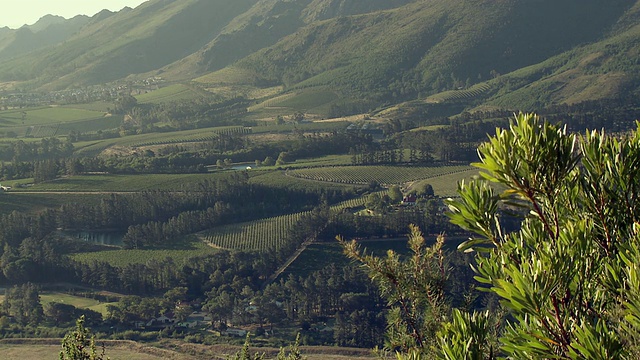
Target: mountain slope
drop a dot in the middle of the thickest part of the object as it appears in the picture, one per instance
(372, 53)
(49, 30)
(153, 35)
(431, 46)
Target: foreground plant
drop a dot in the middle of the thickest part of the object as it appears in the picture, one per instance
(570, 276)
(80, 344)
(413, 288)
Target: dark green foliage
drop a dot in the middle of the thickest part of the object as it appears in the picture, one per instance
(568, 278)
(22, 302)
(413, 288)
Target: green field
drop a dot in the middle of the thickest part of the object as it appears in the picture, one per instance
(14, 201)
(177, 92)
(174, 137)
(52, 121)
(329, 160)
(48, 349)
(447, 185)
(116, 183)
(320, 255)
(307, 101)
(381, 174)
(306, 127)
(279, 179)
(124, 257)
(77, 301)
(46, 116)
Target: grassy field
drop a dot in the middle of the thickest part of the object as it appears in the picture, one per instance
(48, 349)
(307, 101)
(51, 121)
(320, 255)
(46, 116)
(170, 93)
(123, 257)
(96, 146)
(15, 201)
(116, 183)
(447, 185)
(381, 174)
(279, 179)
(306, 127)
(77, 301)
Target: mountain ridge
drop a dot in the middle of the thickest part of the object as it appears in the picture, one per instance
(378, 52)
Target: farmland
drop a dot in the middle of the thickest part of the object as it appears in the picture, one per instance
(52, 121)
(259, 235)
(381, 174)
(77, 301)
(197, 135)
(170, 93)
(31, 202)
(122, 258)
(280, 179)
(48, 349)
(116, 183)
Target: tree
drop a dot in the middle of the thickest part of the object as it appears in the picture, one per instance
(413, 288)
(283, 158)
(426, 190)
(80, 344)
(268, 161)
(395, 195)
(23, 303)
(569, 277)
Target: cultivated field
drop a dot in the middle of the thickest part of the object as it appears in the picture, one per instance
(77, 301)
(174, 137)
(102, 183)
(15, 201)
(48, 349)
(259, 235)
(122, 257)
(446, 185)
(381, 174)
(178, 92)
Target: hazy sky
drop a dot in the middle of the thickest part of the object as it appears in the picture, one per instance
(15, 13)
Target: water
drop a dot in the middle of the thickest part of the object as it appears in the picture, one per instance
(109, 238)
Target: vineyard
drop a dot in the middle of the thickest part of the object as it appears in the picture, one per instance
(259, 235)
(460, 95)
(305, 127)
(195, 136)
(381, 174)
(122, 258)
(120, 183)
(42, 131)
(168, 94)
(278, 179)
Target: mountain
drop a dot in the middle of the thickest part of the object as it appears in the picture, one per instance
(153, 35)
(503, 53)
(47, 31)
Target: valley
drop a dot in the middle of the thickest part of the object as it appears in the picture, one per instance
(179, 173)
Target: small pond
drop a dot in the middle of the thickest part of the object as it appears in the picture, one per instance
(109, 238)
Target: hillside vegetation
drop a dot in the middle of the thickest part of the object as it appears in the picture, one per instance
(370, 54)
